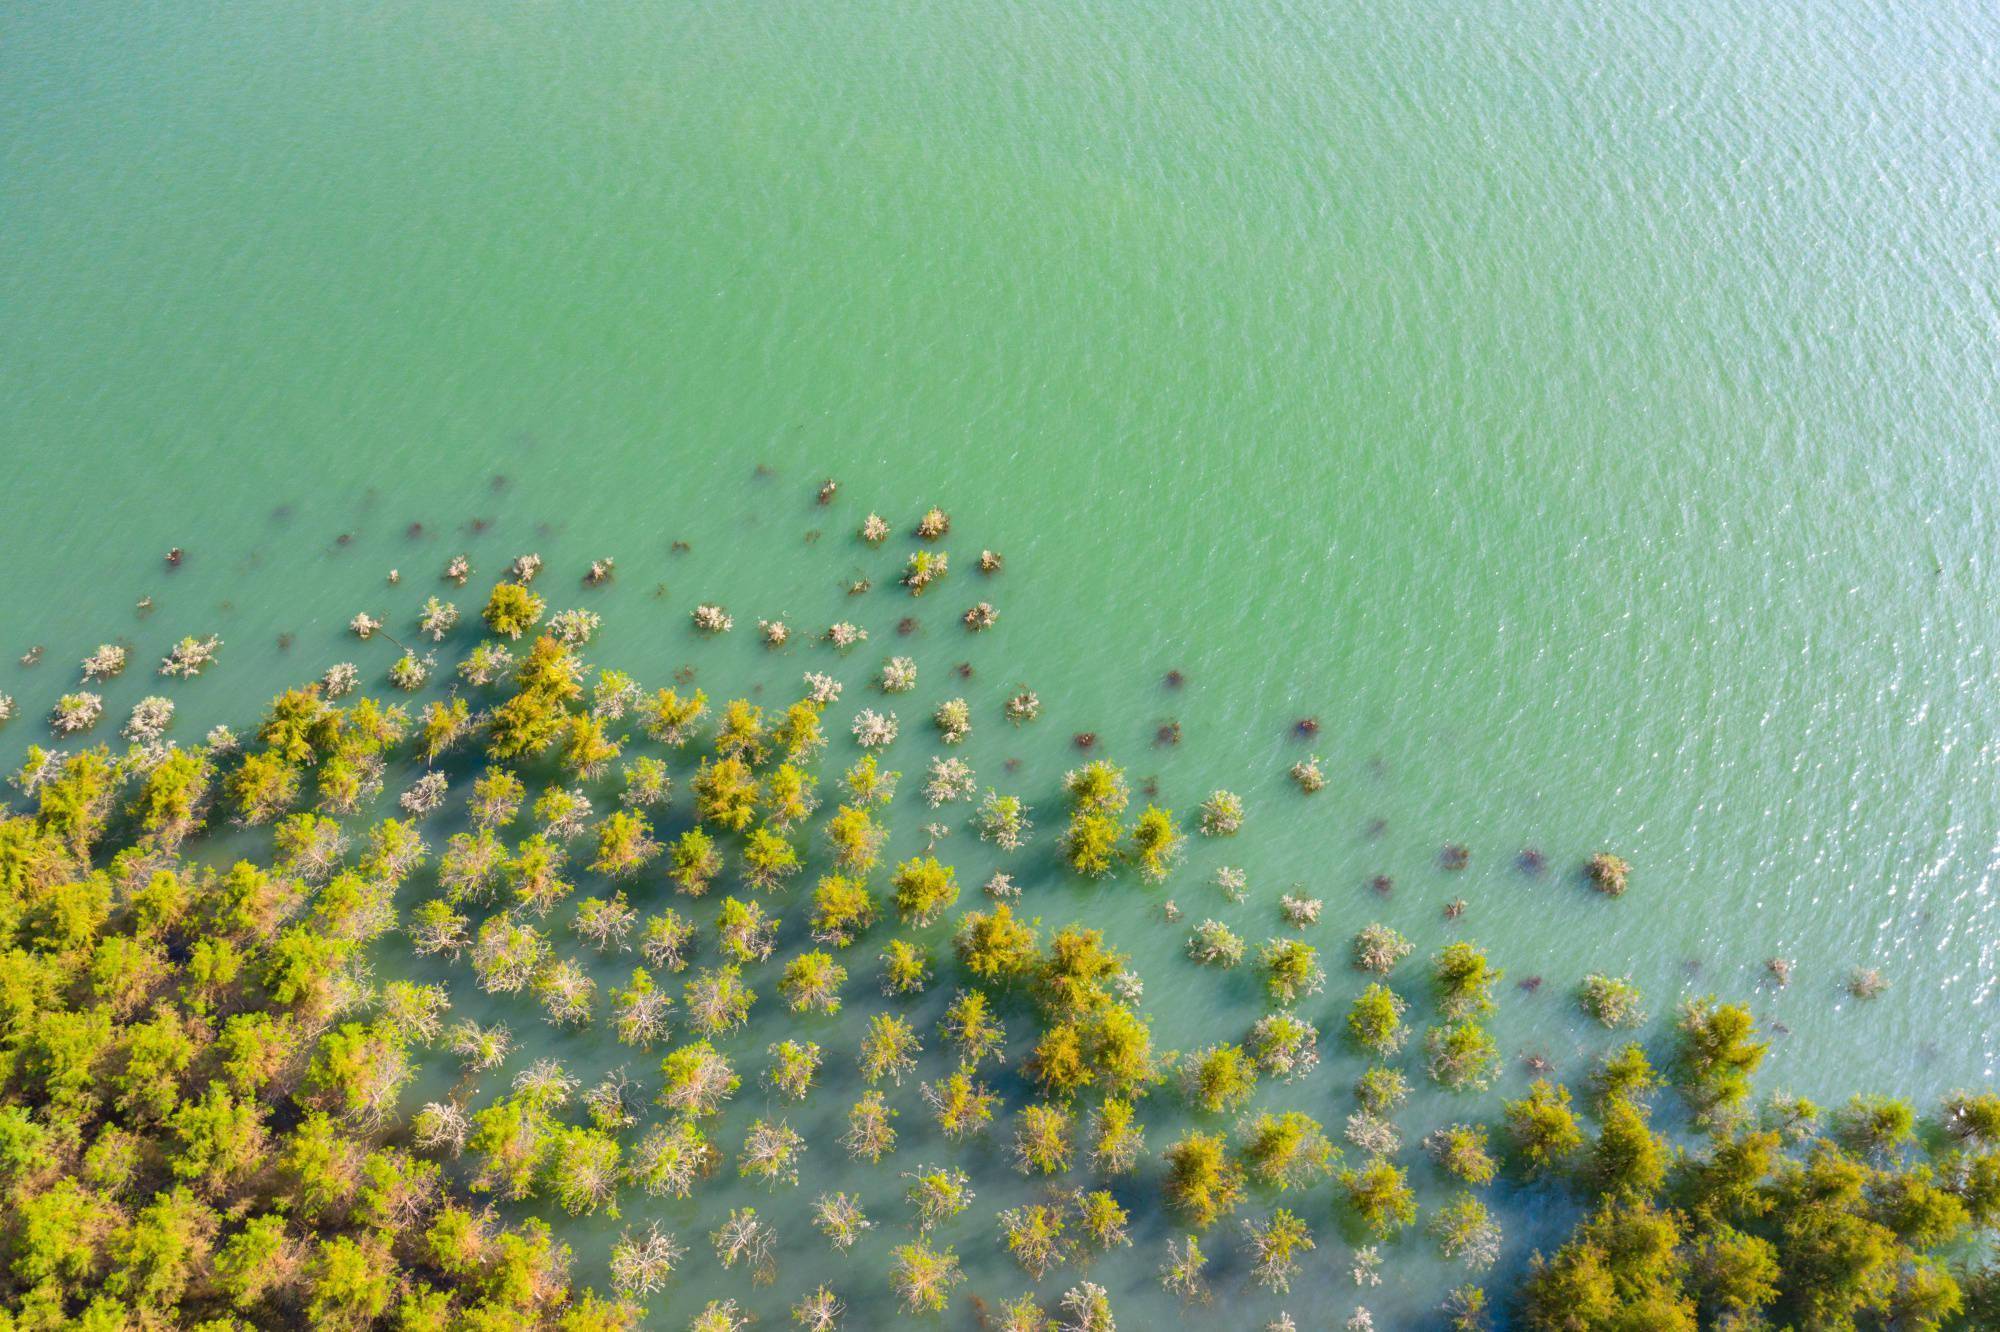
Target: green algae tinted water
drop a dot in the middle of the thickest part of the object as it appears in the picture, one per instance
(1586, 414)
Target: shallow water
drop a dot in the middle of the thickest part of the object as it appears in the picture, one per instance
(1586, 416)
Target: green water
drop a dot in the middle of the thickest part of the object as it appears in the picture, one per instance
(1586, 413)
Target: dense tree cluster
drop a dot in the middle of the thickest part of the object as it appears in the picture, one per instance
(208, 1117)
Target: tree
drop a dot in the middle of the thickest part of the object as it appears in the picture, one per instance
(512, 610)
(526, 724)
(1727, 1182)
(360, 1070)
(1626, 1074)
(1542, 1128)
(725, 793)
(1628, 1160)
(667, 940)
(1875, 1126)
(771, 1152)
(1380, 1197)
(794, 1065)
(1044, 1140)
(352, 1280)
(1157, 843)
(889, 1048)
(1203, 1183)
(1103, 1224)
(1117, 1138)
(669, 718)
(587, 749)
(856, 839)
(963, 1104)
(1090, 842)
(625, 844)
(1291, 970)
(262, 787)
(1375, 1022)
(1623, 1267)
(442, 726)
(970, 1026)
(696, 1080)
(1463, 1151)
(642, 1264)
(1285, 1046)
(604, 922)
(839, 1217)
(906, 967)
(871, 1129)
(1076, 972)
(1185, 1272)
(741, 735)
(744, 931)
(768, 859)
(1608, 873)
(1735, 1274)
(582, 1169)
(1222, 814)
(1276, 1244)
(222, 1140)
(173, 796)
(1614, 1002)
(511, 1138)
(717, 1000)
(694, 862)
(1463, 981)
(1972, 1117)
(256, 1261)
(59, 1236)
(1003, 821)
(1035, 1236)
(508, 954)
(1287, 1150)
(843, 909)
(812, 981)
(534, 876)
(1219, 1078)
(1716, 1055)
(924, 889)
(924, 1277)
(671, 1159)
(1061, 1061)
(994, 946)
(496, 798)
(1462, 1056)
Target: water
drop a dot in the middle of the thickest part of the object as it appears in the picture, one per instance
(1587, 416)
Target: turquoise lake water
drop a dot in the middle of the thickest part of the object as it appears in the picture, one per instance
(1586, 413)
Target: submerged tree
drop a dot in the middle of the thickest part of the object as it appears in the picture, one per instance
(1291, 970)
(1375, 1022)
(1287, 1151)
(1379, 1195)
(1222, 814)
(1203, 1183)
(1608, 873)
(1276, 1244)
(747, 1239)
(1716, 1054)
(923, 1276)
(1157, 844)
(1035, 1236)
(1186, 1270)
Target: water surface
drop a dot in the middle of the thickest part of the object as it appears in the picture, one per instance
(1586, 413)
